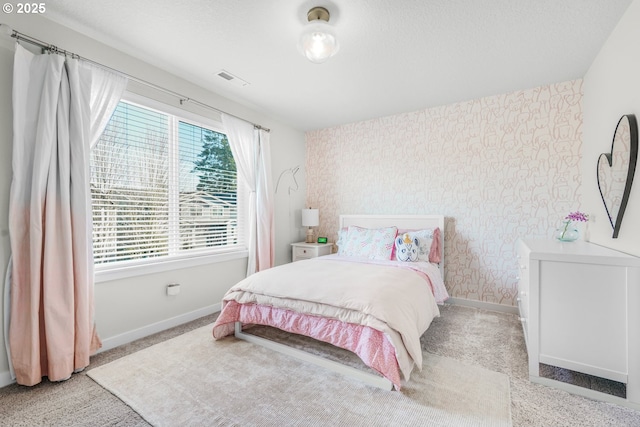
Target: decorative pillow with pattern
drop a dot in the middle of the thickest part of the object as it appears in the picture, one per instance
(342, 240)
(372, 243)
(430, 243)
(407, 248)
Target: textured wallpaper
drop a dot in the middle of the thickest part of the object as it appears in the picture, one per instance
(498, 168)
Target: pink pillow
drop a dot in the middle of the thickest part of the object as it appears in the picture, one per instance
(430, 244)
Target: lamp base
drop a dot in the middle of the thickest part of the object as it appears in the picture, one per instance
(309, 235)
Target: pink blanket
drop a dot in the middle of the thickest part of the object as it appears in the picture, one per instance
(369, 344)
(376, 310)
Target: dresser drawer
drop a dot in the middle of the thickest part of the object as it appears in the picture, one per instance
(309, 250)
(524, 320)
(523, 288)
(304, 252)
(523, 278)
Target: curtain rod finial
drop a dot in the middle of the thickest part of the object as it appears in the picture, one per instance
(6, 30)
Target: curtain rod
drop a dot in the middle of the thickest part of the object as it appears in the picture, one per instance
(52, 48)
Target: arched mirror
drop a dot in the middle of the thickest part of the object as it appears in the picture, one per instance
(616, 170)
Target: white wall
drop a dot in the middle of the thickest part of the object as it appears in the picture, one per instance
(612, 89)
(133, 307)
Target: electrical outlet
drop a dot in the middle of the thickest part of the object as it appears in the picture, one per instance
(173, 289)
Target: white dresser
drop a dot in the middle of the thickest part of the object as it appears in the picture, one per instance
(309, 250)
(579, 305)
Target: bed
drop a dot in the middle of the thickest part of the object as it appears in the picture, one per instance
(370, 298)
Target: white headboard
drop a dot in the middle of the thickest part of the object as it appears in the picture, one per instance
(411, 222)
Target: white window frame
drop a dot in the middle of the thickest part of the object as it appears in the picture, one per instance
(105, 272)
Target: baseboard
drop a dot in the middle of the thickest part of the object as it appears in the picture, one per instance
(130, 336)
(5, 379)
(483, 305)
(145, 331)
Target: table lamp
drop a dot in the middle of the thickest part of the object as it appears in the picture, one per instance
(310, 218)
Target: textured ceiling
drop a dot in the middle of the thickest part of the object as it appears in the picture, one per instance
(395, 55)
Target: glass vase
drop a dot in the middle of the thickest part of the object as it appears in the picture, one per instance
(567, 232)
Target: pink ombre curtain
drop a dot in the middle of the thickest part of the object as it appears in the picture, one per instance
(252, 152)
(51, 329)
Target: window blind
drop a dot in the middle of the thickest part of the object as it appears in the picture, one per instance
(162, 186)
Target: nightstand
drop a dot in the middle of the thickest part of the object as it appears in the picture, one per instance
(309, 250)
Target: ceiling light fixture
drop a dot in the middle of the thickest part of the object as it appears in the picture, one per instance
(318, 42)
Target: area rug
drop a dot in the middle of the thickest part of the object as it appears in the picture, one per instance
(194, 380)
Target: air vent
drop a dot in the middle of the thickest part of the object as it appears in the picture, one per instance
(232, 79)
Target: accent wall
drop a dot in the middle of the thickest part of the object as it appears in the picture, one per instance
(499, 168)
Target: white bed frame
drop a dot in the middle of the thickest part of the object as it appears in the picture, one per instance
(406, 222)
(412, 222)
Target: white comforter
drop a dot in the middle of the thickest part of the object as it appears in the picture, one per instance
(391, 298)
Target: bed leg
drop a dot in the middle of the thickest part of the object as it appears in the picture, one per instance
(365, 377)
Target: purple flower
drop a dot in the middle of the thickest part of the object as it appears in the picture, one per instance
(577, 216)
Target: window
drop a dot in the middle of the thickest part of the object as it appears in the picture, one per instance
(163, 186)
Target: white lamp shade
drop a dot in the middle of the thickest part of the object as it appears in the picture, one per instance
(310, 218)
(318, 42)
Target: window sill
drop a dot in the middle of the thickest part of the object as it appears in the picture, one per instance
(109, 273)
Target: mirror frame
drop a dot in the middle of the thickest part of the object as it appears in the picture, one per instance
(633, 158)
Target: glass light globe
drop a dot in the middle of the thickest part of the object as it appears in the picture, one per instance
(318, 42)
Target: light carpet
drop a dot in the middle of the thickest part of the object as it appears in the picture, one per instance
(193, 380)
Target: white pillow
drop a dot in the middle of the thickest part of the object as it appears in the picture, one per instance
(372, 243)
(407, 248)
(429, 243)
(342, 240)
